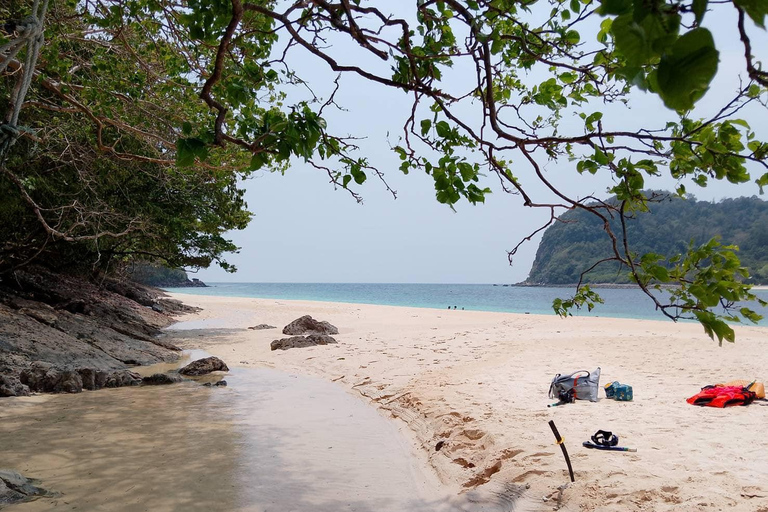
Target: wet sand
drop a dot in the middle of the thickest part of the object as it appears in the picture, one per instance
(270, 441)
(477, 383)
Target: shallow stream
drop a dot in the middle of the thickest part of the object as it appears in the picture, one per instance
(268, 442)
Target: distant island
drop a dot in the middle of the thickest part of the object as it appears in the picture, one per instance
(159, 276)
(568, 248)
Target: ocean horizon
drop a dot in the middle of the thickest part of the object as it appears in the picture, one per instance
(620, 302)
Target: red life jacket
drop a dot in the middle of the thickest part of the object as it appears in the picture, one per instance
(722, 396)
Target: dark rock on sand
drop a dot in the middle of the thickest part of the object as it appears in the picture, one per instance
(261, 327)
(47, 378)
(15, 488)
(301, 341)
(162, 378)
(308, 325)
(220, 384)
(10, 386)
(204, 366)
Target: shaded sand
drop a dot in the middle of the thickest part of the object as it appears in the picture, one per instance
(478, 382)
(269, 442)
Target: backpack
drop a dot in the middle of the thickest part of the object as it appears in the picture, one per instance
(582, 385)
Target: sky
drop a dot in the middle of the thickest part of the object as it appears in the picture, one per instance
(305, 231)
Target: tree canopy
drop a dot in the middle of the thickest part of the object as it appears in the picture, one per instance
(129, 134)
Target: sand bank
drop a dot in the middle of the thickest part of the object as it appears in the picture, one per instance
(477, 382)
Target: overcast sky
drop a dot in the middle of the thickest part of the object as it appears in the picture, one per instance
(305, 231)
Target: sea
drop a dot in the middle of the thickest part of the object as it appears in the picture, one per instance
(619, 302)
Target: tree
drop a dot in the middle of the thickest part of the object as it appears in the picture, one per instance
(127, 75)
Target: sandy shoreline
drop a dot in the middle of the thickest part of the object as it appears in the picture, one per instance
(478, 382)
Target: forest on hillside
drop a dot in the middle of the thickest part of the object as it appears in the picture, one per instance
(571, 246)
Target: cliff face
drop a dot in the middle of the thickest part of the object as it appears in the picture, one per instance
(569, 248)
(72, 325)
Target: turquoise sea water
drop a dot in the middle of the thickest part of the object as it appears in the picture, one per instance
(619, 303)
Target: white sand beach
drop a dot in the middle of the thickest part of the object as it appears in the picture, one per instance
(477, 382)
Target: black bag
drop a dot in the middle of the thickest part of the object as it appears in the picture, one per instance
(582, 385)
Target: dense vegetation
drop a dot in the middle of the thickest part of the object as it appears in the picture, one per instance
(152, 274)
(572, 246)
(128, 125)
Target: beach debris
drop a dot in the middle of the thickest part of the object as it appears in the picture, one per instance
(308, 325)
(301, 341)
(439, 445)
(561, 442)
(162, 378)
(261, 327)
(14, 488)
(204, 366)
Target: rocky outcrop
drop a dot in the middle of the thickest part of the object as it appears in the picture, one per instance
(204, 366)
(301, 341)
(90, 334)
(15, 488)
(261, 327)
(308, 325)
(158, 379)
(46, 378)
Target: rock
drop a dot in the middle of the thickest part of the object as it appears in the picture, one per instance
(122, 378)
(158, 308)
(162, 378)
(261, 327)
(46, 317)
(14, 488)
(10, 386)
(301, 341)
(222, 383)
(46, 378)
(308, 325)
(204, 366)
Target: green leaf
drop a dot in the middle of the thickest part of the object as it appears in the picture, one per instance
(258, 160)
(188, 149)
(699, 7)
(756, 9)
(615, 7)
(573, 37)
(425, 125)
(685, 73)
(762, 181)
(443, 128)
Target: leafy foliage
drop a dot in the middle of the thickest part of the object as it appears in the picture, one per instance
(145, 115)
(682, 256)
(570, 247)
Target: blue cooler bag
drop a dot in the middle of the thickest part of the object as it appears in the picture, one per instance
(623, 393)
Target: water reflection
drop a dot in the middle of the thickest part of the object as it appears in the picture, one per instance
(268, 442)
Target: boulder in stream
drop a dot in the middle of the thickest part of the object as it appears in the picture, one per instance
(204, 366)
(158, 379)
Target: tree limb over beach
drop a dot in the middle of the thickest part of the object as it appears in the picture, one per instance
(191, 96)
